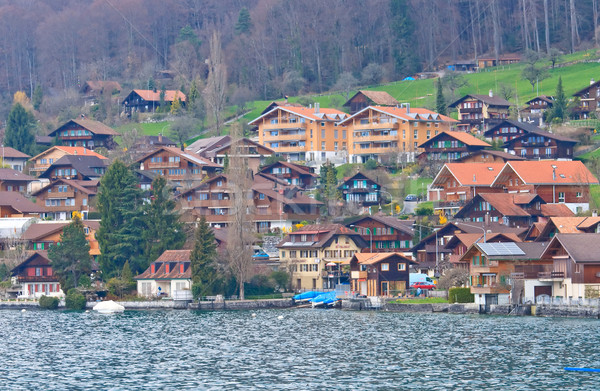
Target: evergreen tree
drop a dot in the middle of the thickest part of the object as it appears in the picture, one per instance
(126, 274)
(226, 162)
(333, 193)
(119, 203)
(440, 102)
(161, 97)
(559, 107)
(176, 106)
(71, 256)
(19, 130)
(38, 97)
(205, 276)
(244, 22)
(151, 84)
(162, 229)
(194, 93)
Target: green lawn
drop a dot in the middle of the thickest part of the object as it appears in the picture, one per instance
(417, 186)
(595, 196)
(147, 128)
(421, 300)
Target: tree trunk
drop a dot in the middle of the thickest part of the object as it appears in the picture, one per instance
(573, 26)
(595, 16)
(547, 26)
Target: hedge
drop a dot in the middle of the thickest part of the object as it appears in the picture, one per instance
(49, 303)
(460, 295)
(75, 300)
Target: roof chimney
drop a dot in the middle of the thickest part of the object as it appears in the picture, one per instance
(474, 179)
(160, 137)
(592, 81)
(491, 94)
(317, 107)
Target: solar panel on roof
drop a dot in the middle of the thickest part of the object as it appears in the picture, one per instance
(497, 249)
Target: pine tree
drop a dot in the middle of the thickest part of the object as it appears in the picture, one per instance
(559, 107)
(162, 228)
(205, 277)
(38, 97)
(161, 97)
(244, 22)
(440, 102)
(71, 256)
(120, 235)
(151, 84)
(19, 130)
(194, 93)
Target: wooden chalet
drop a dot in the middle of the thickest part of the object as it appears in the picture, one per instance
(62, 197)
(509, 129)
(313, 255)
(479, 112)
(183, 168)
(85, 133)
(511, 209)
(488, 156)
(486, 62)
(44, 160)
(501, 273)
(567, 225)
(589, 98)
(366, 98)
(94, 89)
(76, 167)
(36, 278)
(458, 245)
(575, 267)
(218, 149)
(360, 189)
(457, 183)
(12, 158)
(45, 234)
(555, 181)
(13, 180)
(449, 146)
(147, 101)
(542, 145)
(535, 108)
(380, 274)
(384, 233)
(292, 174)
(171, 272)
(14, 204)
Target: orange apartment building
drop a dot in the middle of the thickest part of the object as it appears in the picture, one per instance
(304, 133)
(44, 160)
(379, 130)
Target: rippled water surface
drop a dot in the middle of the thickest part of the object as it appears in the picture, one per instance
(306, 350)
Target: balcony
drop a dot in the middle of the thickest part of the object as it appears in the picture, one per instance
(375, 126)
(285, 137)
(209, 203)
(284, 125)
(490, 289)
(296, 149)
(37, 279)
(449, 204)
(368, 151)
(55, 195)
(63, 208)
(490, 267)
(164, 165)
(375, 138)
(357, 275)
(551, 276)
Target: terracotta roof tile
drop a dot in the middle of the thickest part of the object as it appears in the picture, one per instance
(473, 174)
(170, 95)
(551, 172)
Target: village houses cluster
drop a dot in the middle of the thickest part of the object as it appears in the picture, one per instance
(519, 219)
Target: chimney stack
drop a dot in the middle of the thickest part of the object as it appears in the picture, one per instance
(160, 137)
(491, 94)
(592, 81)
(317, 107)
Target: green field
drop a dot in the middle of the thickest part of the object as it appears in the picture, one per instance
(421, 93)
(595, 197)
(422, 300)
(147, 128)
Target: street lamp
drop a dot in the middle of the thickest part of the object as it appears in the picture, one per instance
(370, 233)
(391, 201)
(476, 226)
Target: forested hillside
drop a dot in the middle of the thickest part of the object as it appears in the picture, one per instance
(271, 47)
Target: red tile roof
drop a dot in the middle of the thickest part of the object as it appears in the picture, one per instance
(471, 174)
(154, 96)
(549, 172)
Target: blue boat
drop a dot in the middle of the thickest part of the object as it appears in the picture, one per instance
(324, 299)
(307, 295)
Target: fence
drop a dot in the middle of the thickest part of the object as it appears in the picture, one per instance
(567, 301)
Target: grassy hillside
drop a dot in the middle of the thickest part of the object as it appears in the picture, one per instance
(421, 93)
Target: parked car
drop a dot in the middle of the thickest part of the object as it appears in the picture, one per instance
(422, 285)
(411, 198)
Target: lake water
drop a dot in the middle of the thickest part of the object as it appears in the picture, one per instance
(306, 350)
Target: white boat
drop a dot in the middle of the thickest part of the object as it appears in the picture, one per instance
(108, 307)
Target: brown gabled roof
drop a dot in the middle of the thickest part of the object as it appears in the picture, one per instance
(188, 155)
(463, 137)
(556, 210)
(37, 258)
(94, 127)
(381, 98)
(373, 258)
(326, 233)
(103, 85)
(41, 230)
(75, 184)
(173, 258)
(19, 203)
(581, 247)
(586, 88)
(81, 151)
(490, 100)
(9, 152)
(501, 154)
(401, 225)
(154, 96)
(545, 98)
(292, 166)
(8, 174)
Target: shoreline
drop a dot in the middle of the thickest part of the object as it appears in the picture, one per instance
(541, 310)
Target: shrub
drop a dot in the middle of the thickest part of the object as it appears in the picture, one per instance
(460, 295)
(49, 303)
(75, 300)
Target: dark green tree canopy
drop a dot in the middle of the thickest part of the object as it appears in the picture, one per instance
(205, 273)
(244, 22)
(120, 233)
(162, 229)
(71, 256)
(440, 102)
(20, 130)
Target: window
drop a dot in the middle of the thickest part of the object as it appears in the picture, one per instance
(283, 254)
(344, 134)
(578, 194)
(322, 145)
(293, 254)
(416, 134)
(578, 268)
(335, 146)
(322, 133)
(220, 182)
(335, 134)
(322, 123)
(561, 197)
(385, 267)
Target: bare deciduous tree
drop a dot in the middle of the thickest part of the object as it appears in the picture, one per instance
(215, 93)
(241, 229)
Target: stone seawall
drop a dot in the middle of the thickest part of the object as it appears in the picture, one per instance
(19, 305)
(567, 311)
(363, 304)
(241, 304)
